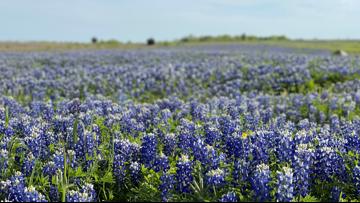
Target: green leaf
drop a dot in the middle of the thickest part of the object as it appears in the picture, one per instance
(79, 172)
(7, 117)
(108, 178)
(52, 148)
(309, 198)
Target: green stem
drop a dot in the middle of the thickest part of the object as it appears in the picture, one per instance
(64, 184)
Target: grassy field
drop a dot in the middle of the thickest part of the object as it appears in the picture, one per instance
(62, 46)
(350, 46)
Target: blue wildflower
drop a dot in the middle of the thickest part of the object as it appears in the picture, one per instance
(260, 183)
(216, 177)
(184, 174)
(229, 197)
(167, 185)
(285, 185)
(148, 149)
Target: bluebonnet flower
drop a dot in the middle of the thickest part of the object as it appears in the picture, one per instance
(185, 141)
(162, 163)
(165, 115)
(184, 174)
(328, 164)
(227, 126)
(186, 135)
(15, 190)
(61, 123)
(46, 138)
(212, 134)
(86, 194)
(58, 159)
(303, 161)
(212, 160)
(79, 145)
(89, 148)
(31, 195)
(322, 117)
(28, 164)
(48, 111)
(135, 172)
(9, 132)
(54, 193)
(356, 179)
(260, 183)
(229, 197)
(335, 194)
(266, 115)
(148, 149)
(2, 126)
(122, 148)
(167, 185)
(199, 150)
(302, 137)
(215, 177)
(238, 144)
(74, 196)
(129, 151)
(197, 111)
(169, 144)
(119, 169)
(3, 160)
(89, 192)
(49, 169)
(73, 106)
(285, 185)
(33, 141)
(352, 139)
(252, 120)
(324, 95)
(259, 149)
(286, 147)
(36, 108)
(90, 143)
(85, 118)
(334, 124)
(135, 152)
(97, 132)
(2, 114)
(241, 171)
(304, 124)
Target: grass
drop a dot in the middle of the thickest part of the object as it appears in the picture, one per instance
(63, 46)
(350, 46)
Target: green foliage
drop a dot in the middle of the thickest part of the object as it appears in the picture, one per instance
(309, 198)
(198, 187)
(354, 114)
(147, 191)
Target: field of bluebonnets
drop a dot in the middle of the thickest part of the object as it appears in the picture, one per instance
(193, 124)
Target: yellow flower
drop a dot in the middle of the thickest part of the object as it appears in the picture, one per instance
(244, 135)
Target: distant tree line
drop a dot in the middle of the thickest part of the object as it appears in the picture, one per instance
(206, 38)
(94, 40)
(226, 38)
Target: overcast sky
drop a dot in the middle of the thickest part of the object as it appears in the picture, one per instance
(136, 20)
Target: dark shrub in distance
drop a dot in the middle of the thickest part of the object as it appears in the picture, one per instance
(150, 41)
(94, 40)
